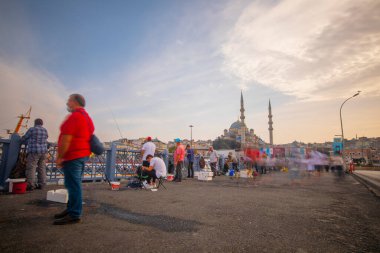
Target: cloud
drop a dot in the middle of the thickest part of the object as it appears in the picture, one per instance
(22, 86)
(313, 50)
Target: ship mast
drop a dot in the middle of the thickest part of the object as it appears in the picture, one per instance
(21, 119)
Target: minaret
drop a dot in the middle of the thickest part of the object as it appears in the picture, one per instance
(270, 124)
(242, 117)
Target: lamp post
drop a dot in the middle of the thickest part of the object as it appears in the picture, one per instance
(191, 136)
(341, 122)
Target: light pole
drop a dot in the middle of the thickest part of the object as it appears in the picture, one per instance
(341, 122)
(191, 136)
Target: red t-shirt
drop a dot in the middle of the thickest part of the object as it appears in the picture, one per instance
(80, 126)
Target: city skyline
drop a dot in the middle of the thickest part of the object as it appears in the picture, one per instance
(154, 68)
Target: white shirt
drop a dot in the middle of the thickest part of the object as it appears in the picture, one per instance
(159, 166)
(149, 149)
(213, 156)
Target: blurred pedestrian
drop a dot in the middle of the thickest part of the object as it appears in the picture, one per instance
(36, 148)
(190, 159)
(231, 159)
(73, 152)
(179, 157)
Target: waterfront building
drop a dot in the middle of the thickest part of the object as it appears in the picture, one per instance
(239, 131)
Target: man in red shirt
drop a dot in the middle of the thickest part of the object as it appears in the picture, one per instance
(73, 152)
(179, 157)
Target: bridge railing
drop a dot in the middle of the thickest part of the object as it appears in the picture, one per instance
(113, 164)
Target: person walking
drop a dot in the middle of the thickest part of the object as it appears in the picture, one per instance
(213, 159)
(36, 148)
(179, 157)
(73, 152)
(190, 159)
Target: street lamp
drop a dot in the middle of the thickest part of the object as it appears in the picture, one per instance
(341, 123)
(191, 136)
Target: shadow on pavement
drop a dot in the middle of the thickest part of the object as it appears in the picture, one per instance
(161, 222)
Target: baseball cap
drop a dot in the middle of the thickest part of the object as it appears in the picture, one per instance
(176, 140)
(148, 138)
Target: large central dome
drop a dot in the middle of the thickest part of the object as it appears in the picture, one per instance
(236, 125)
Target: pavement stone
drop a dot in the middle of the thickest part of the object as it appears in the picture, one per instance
(277, 212)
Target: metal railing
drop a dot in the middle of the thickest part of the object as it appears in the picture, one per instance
(96, 168)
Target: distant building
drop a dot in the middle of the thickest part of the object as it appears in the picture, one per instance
(136, 144)
(239, 131)
(201, 146)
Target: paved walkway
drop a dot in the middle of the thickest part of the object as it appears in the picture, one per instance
(278, 212)
(371, 179)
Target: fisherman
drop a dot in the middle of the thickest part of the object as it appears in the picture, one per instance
(190, 159)
(156, 169)
(213, 159)
(179, 157)
(149, 148)
(36, 148)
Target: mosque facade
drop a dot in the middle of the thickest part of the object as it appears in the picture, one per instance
(239, 131)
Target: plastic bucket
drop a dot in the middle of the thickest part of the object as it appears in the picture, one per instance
(115, 186)
(170, 177)
(231, 173)
(19, 187)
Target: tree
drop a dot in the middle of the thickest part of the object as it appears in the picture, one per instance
(225, 144)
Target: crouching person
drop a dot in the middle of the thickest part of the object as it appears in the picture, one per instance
(156, 169)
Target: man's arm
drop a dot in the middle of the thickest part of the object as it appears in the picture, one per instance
(150, 168)
(65, 142)
(26, 136)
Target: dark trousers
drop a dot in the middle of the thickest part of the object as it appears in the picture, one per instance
(150, 175)
(190, 170)
(235, 167)
(73, 172)
(178, 171)
(145, 174)
(213, 168)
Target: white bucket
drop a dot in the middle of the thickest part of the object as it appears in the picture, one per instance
(115, 186)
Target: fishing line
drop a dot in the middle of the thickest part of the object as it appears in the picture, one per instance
(117, 125)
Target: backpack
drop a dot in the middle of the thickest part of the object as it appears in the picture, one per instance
(202, 163)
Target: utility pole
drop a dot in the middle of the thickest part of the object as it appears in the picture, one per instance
(341, 122)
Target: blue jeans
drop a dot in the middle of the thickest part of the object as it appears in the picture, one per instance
(73, 172)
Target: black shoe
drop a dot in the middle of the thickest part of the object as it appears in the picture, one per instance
(67, 220)
(29, 188)
(40, 187)
(61, 215)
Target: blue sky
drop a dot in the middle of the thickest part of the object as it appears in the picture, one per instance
(159, 66)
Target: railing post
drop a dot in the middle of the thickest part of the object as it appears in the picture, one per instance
(165, 157)
(4, 156)
(111, 163)
(10, 159)
(196, 163)
(221, 162)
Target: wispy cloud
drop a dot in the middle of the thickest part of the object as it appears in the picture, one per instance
(305, 48)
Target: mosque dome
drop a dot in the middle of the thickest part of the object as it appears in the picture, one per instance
(236, 125)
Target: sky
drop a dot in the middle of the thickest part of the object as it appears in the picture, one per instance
(152, 68)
